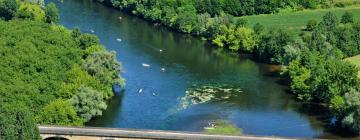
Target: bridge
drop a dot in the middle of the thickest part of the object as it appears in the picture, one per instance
(97, 133)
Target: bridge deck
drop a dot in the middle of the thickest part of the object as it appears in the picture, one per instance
(137, 134)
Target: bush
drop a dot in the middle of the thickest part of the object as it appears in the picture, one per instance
(8, 9)
(87, 40)
(104, 67)
(30, 11)
(51, 13)
(88, 103)
(348, 17)
(352, 119)
(59, 112)
(16, 122)
(311, 25)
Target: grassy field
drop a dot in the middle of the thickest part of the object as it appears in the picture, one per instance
(354, 60)
(296, 21)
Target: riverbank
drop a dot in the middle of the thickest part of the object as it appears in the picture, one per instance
(281, 47)
(49, 74)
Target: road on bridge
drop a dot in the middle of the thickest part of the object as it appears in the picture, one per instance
(139, 134)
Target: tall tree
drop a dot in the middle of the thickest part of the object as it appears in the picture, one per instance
(51, 13)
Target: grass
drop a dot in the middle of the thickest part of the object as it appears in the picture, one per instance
(224, 128)
(295, 21)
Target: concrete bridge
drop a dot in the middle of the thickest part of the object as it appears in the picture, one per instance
(96, 133)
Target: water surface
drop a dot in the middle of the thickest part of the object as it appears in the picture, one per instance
(261, 108)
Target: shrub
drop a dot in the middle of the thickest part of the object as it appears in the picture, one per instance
(88, 103)
(16, 122)
(59, 112)
(8, 9)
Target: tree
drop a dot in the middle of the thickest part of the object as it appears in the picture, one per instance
(30, 11)
(272, 44)
(16, 122)
(258, 28)
(59, 112)
(352, 119)
(348, 17)
(232, 7)
(241, 22)
(104, 67)
(51, 13)
(8, 9)
(247, 39)
(330, 21)
(186, 18)
(311, 25)
(299, 76)
(87, 40)
(88, 103)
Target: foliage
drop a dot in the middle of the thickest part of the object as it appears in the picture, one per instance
(88, 103)
(42, 62)
(8, 9)
(16, 122)
(59, 112)
(352, 119)
(104, 66)
(87, 40)
(272, 45)
(51, 13)
(348, 17)
(30, 11)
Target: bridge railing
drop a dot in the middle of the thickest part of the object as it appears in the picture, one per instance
(140, 134)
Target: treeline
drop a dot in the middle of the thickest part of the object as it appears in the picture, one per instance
(202, 17)
(49, 75)
(314, 60)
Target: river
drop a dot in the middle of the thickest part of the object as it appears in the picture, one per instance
(162, 68)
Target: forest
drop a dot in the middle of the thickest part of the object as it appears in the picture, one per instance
(49, 74)
(313, 61)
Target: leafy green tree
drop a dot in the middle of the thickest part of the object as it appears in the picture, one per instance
(311, 25)
(300, 76)
(348, 17)
(258, 28)
(104, 67)
(8, 9)
(30, 11)
(272, 44)
(75, 33)
(232, 7)
(330, 21)
(241, 22)
(87, 40)
(352, 120)
(247, 39)
(51, 13)
(186, 18)
(88, 103)
(59, 112)
(16, 122)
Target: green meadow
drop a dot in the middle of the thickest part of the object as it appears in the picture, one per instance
(295, 21)
(354, 60)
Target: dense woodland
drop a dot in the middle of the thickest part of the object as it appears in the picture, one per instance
(49, 74)
(313, 61)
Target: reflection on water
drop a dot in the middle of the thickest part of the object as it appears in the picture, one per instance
(228, 87)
